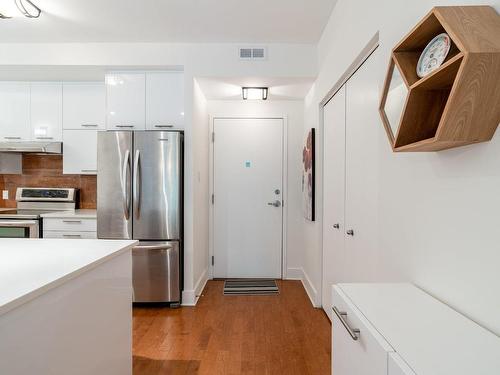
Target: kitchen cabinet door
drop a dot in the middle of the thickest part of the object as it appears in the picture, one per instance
(125, 101)
(80, 152)
(46, 111)
(164, 100)
(84, 105)
(333, 196)
(14, 111)
(361, 228)
(366, 355)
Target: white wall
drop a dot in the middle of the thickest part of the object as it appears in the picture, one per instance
(294, 111)
(209, 59)
(199, 263)
(438, 212)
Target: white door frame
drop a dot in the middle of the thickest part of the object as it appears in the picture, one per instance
(370, 47)
(284, 184)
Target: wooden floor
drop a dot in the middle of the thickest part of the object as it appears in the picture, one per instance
(281, 334)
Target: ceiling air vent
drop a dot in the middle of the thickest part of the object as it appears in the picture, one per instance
(253, 53)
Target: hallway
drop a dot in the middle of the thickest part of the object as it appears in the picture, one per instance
(274, 335)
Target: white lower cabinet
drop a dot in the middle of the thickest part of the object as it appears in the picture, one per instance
(69, 235)
(80, 152)
(70, 227)
(397, 366)
(358, 349)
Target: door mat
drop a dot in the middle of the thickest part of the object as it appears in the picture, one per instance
(250, 287)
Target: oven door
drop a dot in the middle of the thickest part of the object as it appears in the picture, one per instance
(19, 229)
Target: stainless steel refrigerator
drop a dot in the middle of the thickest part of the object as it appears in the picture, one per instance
(139, 196)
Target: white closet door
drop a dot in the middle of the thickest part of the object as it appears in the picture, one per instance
(362, 97)
(334, 194)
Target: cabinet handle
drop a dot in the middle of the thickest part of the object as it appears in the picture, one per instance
(12, 137)
(90, 125)
(336, 226)
(88, 170)
(124, 126)
(350, 232)
(72, 221)
(44, 137)
(164, 126)
(353, 332)
(72, 235)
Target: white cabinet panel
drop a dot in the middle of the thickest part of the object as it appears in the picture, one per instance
(397, 366)
(334, 195)
(164, 100)
(365, 356)
(80, 152)
(69, 224)
(46, 111)
(361, 214)
(15, 111)
(125, 101)
(69, 235)
(84, 105)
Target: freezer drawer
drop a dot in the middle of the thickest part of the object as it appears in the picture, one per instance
(156, 272)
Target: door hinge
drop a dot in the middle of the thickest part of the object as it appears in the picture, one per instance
(213, 136)
(213, 198)
(213, 260)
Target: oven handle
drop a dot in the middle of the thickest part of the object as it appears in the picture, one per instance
(32, 225)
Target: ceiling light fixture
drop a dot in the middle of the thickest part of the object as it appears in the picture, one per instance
(28, 9)
(255, 93)
(3, 16)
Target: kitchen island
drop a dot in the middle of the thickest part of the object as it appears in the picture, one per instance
(65, 307)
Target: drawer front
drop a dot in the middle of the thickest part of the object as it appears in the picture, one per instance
(355, 353)
(70, 225)
(69, 235)
(397, 366)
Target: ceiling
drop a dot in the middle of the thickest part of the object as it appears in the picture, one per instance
(243, 21)
(279, 88)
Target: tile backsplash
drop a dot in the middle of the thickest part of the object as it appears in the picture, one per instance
(46, 171)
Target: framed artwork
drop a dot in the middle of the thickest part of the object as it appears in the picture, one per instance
(308, 176)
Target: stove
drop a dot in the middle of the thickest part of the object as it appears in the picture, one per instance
(25, 221)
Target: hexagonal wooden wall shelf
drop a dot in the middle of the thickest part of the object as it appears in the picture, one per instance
(458, 103)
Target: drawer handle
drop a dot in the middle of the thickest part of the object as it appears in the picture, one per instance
(48, 138)
(124, 126)
(89, 170)
(164, 126)
(90, 125)
(353, 332)
(72, 221)
(12, 137)
(72, 235)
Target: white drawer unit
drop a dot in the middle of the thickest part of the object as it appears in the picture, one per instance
(69, 235)
(398, 329)
(396, 366)
(69, 224)
(358, 348)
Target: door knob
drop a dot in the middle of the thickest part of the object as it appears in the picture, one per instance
(336, 226)
(275, 203)
(350, 232)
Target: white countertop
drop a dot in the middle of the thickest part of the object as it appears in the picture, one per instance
(429, 335)
(31, 267)
(74, 214)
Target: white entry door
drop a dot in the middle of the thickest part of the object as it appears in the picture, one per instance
(248, 186)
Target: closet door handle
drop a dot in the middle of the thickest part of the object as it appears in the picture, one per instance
(350, 232)
(336, 226)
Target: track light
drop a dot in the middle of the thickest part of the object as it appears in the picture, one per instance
(254, 93)
(28, 9)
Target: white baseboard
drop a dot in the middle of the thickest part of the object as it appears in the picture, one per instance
(300, 274)
(190, 297)
(294, 273)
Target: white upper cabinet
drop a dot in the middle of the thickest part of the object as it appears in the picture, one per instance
(125, 98)
(164, 100)
(15, 111)
(80, 152)
(84, 105)
(46, 111)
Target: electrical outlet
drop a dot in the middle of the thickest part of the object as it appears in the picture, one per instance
(5, 194)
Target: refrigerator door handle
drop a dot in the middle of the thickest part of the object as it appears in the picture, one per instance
(153, 247)
(125, 190)
(137, 184)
